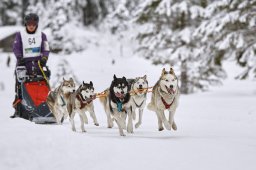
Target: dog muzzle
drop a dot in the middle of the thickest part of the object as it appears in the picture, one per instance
(170, 90)
(119, 95)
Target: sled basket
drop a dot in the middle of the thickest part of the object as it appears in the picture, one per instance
(33, 105)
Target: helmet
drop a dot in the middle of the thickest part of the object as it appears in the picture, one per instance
(31, 18)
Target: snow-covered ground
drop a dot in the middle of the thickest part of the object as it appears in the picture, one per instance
(216, 129)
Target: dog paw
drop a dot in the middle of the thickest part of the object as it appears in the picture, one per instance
(160, 129)
(174, 126)
(130, 130)
(122, 134)
(167, 126)
(110, 125)
(137, 125)
(96, 124)
(74, 129)
(83, 131)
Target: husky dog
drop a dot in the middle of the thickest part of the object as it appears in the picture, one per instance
(57, 100)
(80, 102)
(117, 104)
(165, 96)
(139, 87)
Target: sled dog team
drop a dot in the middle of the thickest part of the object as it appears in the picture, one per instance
(120, 101)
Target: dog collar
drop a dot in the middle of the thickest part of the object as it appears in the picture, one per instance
(167, 106)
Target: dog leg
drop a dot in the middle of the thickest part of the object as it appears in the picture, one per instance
(140, 118)
(166, 123)
(171, 120)
(93, 116)
(134, 113)
(82, 121)
(121, 132)
(119, 119)
(85, 119)
(160, 122)
(130, 125)
(110, 121)
(71, 119)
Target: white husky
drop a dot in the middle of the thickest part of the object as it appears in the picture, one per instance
(139, 87)
(165, 96)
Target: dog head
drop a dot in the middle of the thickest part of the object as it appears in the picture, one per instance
(140, 85)
(68, 86)
(86, 90)
(120, 88)
(169, 81)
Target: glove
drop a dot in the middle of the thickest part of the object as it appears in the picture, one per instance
(43, 61)
(21, 62)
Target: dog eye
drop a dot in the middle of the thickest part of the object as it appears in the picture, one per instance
(167, 80)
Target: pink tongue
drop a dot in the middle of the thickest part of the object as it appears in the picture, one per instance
(171, 90)
(119, 95)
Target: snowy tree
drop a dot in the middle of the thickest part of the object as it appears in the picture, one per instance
(165, 37)
(10, 11)
(228, 32)
(63, 71)
(118, 21)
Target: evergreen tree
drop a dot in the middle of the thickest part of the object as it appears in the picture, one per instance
(165, 37)
(63, 71)
(228, 32)
(10, 11)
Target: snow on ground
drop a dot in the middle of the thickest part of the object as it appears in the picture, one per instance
(216, 129)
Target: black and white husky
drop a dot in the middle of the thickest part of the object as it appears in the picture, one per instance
(139, 88)
(80, 102)
(165, 96)
(117, 104)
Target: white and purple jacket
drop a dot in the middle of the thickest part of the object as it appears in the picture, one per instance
(31, 48)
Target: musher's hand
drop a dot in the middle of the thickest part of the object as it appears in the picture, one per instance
(43, 61)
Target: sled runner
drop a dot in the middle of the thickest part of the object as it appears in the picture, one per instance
(32, 92)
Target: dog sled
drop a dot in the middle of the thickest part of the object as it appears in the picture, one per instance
(32, 93)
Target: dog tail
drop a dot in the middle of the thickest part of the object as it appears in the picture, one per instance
(151, 106)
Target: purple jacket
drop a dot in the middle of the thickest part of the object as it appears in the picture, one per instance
(30, 63)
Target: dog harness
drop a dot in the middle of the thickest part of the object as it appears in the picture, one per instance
(119, 106)
(137, 104)
(63, 101)
(167, 106)
(83, 102)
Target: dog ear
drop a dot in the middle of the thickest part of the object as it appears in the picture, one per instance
(115, 77)
(163, 72)
(145, 77)
(171, 70)
(83, 83)
(71, 79)
(124, 78)
(91, 83)
(64, 79)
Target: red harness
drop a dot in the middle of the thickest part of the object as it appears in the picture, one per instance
(83, 103)
(167, 106)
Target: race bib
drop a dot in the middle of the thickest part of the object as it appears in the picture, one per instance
(31, 44)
